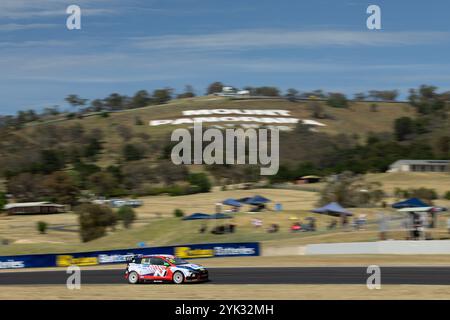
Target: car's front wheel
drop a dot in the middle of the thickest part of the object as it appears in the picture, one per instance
(133, 277)
(178, 277)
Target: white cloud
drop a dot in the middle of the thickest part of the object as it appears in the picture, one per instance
(30, 26)
(246, 39)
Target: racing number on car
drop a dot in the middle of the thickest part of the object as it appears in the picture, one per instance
(160, 272)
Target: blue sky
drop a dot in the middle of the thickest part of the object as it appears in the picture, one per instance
(125, 46)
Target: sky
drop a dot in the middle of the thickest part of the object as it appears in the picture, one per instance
(126, 46)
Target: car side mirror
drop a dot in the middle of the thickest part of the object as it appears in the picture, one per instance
(166, 264)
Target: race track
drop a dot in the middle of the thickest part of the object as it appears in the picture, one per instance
(262, 275)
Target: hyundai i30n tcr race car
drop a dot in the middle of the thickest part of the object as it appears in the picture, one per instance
(163, 268)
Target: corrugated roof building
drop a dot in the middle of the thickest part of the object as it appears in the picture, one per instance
(420, 166)
(34, 208)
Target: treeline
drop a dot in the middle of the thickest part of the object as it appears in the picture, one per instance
(425, 99)
(61, 164)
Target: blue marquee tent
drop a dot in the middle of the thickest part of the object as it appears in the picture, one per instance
(410, 203)
(232, 202)
(219, 216)
(197, 216)
(332, 209)
(256, 200)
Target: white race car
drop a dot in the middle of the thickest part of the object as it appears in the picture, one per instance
(163, 268)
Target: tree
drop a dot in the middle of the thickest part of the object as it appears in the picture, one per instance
(351, 190)
(25, 186)
(360, 96)
(316, 109)
(161, 96)
(93, 148)
(292, 94)
(215, 87)
(102, 183)
(97, 105)
(3, 200)
(60, 188)
(337, 100)
(125, 132)
(141, 99)
(94, 221)
(189, 92)
(178, 213)
(426, 100)
(114, 102)
(200, 181)
(443, 146)
(266, 91)
(169, 173)
(75, 101)
(403, 127)
(127, 216)
(383, 95)
(41, 227)
(132, 153)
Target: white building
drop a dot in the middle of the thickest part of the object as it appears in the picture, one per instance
(233, 92)
(420, 166)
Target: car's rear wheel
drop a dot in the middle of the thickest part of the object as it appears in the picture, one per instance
(133, 277)
(178, 277)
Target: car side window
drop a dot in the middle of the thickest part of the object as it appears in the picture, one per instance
(145, 261)
(157, 261)
(136, 260)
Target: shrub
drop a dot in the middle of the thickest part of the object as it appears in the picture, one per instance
(127, 215)
(42, 227)
(94, 220)
(200, 181)
(337, 100)
(447, 195)
(178, 213)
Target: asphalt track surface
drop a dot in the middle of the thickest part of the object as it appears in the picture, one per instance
(261, 275)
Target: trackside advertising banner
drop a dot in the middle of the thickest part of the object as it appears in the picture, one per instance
(189, 251)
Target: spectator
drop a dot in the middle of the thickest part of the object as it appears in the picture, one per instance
(332, 225)
(273, 228)
(257, 223)
(296, 227)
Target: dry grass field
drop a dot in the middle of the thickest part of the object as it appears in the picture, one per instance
(156, 225)
(405, 180)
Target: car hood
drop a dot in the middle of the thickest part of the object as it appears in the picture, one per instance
(190, 266)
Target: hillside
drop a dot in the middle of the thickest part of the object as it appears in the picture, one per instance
(127, 153)
(356, 120)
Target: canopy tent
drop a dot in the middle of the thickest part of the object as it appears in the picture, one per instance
(197, 216)
(232, 202)
(332, 209)
(256, 200)
(219, 216)
(410, 203)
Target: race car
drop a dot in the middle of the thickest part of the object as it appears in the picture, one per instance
(163, 268)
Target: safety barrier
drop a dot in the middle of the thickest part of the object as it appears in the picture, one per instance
(382, 247)
(189, 251)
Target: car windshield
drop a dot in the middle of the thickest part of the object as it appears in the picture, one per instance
(177, 261)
